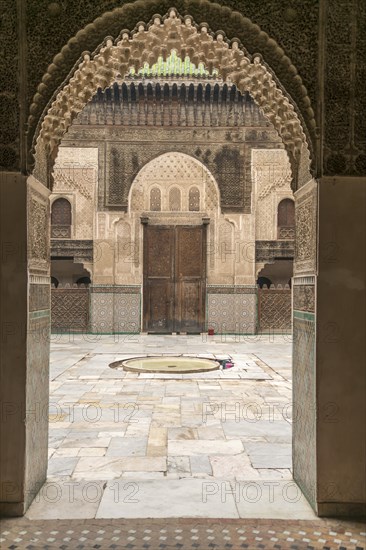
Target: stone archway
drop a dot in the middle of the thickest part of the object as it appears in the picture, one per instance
(100, 70)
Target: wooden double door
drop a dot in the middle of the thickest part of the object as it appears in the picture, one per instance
(174, 278)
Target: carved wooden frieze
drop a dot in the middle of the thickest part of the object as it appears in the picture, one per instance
(268, 251)
(80, 250)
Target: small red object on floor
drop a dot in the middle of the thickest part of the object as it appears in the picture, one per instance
(211, 332)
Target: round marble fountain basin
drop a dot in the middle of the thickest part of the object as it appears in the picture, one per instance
(170, 364)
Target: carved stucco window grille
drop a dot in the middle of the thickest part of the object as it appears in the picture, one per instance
(194, 199)
(155, 199)
(61, 219)
(175, 199)
(274, 308)
(70, 309)
(286, 220)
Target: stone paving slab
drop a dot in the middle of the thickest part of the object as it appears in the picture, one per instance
(64, 499)
(273, 455)
(205, 447)
(275, 499)
(163, 499)
(113, 467)
(131, 426)
(249, 427)
(127, 446)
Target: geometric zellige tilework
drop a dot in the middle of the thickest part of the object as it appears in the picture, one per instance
(101, 320)
(232, 313)
(182, 534)
(115, 312)
(126, 313)
(304, 414)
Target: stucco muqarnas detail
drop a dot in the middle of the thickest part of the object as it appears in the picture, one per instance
(159, 38)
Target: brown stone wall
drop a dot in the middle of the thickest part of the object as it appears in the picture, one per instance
(341, 349)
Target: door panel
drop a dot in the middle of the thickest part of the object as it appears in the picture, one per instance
(188, 318)
(159, 251)
(158, 278)
(174, 278)
(160, 306)
(189, 252)
(190, 278)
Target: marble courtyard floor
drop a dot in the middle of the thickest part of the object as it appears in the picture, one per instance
(205, 445)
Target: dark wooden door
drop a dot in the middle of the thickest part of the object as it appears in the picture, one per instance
(158, 278)
(174, 278)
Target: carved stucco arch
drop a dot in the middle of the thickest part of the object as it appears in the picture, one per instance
(146, 43)
(154, 166)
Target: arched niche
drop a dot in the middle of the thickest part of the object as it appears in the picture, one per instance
(61, 219)
(168, 175)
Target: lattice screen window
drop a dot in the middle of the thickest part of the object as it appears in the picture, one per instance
(229, 175)
(286, 219)
(61, 219)
(194, 199)
(175, 199)
(155, 199)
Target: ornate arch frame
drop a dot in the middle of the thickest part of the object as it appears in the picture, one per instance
(114, 55)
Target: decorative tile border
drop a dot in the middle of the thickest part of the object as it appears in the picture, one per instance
(34, 315)
(231, 289)
(188, 533)
(116, 289)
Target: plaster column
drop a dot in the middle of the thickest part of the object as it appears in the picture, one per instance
(341, 349)
(25, 320)
(329, 375)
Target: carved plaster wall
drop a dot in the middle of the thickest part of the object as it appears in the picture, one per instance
(179, 171)
(272, 183)
(306, 212)
(38, 228)
(125, 150)
(75, 178)
(305, 339)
